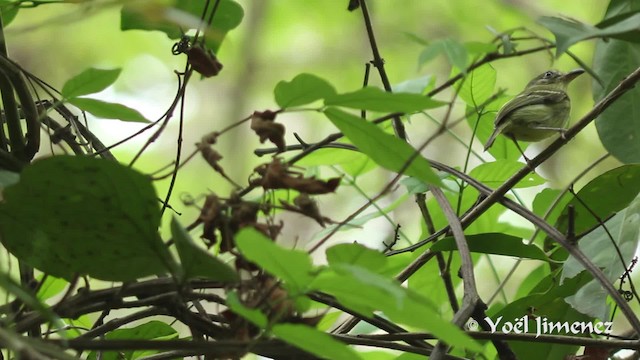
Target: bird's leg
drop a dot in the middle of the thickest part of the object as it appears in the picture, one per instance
(520, 149)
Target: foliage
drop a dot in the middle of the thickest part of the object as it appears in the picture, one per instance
(229, 273)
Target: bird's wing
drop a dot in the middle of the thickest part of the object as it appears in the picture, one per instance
(536, 97)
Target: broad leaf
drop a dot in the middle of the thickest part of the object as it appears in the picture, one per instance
(8, 178)
(82, 215)
(375, 99)
(494, 243)
(195, 261)
(456, 53)
(612, 255)
(148, 331)
(613, 60)
(380, 293)
(570, 31)
(478, 85)
(314, 341)
(547, 303)
(619, 125)
(603, 197)
(292, 266)
(255, 316)
(385, 149)
(89, 81)
(8, 11)
(356, 254)
(107, 110)
(494, 174)
(302, 90)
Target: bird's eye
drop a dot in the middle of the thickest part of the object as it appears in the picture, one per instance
(548, 74)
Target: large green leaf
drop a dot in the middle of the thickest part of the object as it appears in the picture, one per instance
(619, 125)
(494, 243)
(292, 266)
(611, 250)
(148, 331)
(494, 174)
(8, 178)
(255, 316)
(8, 11)
(376, 292)
(456, 53)
(544, 303)
(107, 110)
(83, 215)
(603, 197)
(195, 261)
(89, 81)
(314, 341)
(375, 99)
(356, 254)
(478, 85)
(570, 31)
(302, 90)
(385, 149)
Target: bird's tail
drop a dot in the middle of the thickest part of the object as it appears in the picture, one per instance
(492, 138)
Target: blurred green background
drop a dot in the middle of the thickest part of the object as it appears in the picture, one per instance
(277, 40)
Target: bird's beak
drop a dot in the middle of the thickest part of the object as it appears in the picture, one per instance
(566, 78)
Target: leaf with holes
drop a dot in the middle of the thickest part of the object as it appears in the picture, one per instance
(79, 215)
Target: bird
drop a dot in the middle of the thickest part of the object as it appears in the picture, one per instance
(539, 111)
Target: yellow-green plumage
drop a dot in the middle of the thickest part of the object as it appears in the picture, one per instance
(540, 111)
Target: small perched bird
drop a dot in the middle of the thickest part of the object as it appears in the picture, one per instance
(539, 111)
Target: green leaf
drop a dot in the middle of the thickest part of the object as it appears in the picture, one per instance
(494, 243)
(380, 293)
(456, 53)
(612, 259)
(89, 81)
(8, 178)
(51, 287)
(195, 261)
(356, 254)
(478, 85)
(571, 31)
(621, 20)
(603, 196)
(314, 341)
(494, 174)
(413, 86)
(480, 48)
(107, 110)
(138, 15)
(82, 215)
(375, 99)
(546, 302)
(292, 266)
(8, 10)
(549, 205)
(302, 90)
(619, 125)
(148, 331)
(255, 316)
(385, 149)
